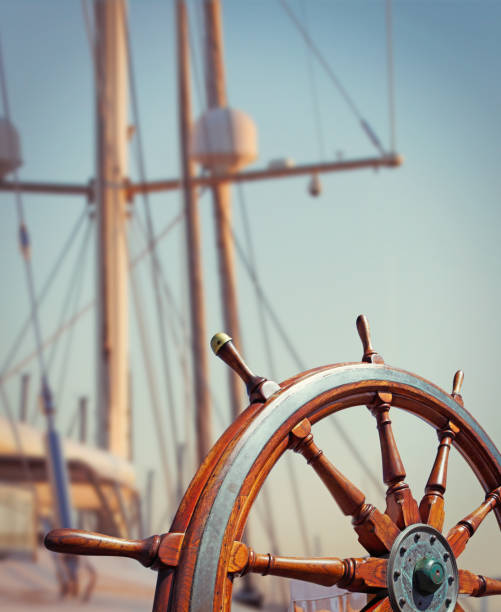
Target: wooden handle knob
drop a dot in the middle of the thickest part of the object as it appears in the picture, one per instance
(370, 355)
(259, 389)
(365, 334)
(457, 383)
(224, 348)
(78, 542)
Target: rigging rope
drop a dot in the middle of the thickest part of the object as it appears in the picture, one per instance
(369, 132)
(66, 353)
(55, 456)
(152, 386)
(25, 250)
(70, 322)
(171, 403)
(47, 342)
(314, 91)
(147, 249)
(40, 298)
(75, 278)
(271, 364)
(251, 271)
(391, 83)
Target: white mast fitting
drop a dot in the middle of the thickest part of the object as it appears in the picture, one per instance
(111, 216)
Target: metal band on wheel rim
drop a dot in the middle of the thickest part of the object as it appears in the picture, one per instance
(276, 413)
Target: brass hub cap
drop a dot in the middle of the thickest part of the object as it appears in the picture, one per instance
(422, 571)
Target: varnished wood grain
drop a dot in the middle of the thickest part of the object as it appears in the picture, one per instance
(477, 585)
(229, 354)
(457, 383)
(370, 355)
(401, 506)
(376, 532)
(459, 535)
(169, 550)
(412, 398)
(165, 579)
(431, 507)
(360, 575)
(78, 542)
(382, 605)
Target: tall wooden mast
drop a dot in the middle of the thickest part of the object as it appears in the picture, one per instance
(193, 241)
(111, 161)
(216, 98)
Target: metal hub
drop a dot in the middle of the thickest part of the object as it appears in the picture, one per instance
(422, 571)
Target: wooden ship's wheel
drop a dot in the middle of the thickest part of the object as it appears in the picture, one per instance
(411, 566)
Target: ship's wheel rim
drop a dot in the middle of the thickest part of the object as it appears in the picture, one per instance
(326, 388)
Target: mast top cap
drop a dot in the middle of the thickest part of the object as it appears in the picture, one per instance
(218, 341)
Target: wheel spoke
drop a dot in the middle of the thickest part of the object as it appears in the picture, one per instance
(365, 575)
(376, 531)
(401, 506)
(459, 535)
(382, 605)
(458, 607)
(431, 507)
(476, 585)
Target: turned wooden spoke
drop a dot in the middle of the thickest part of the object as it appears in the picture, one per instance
(431, 507)
(382, 605)
(401, 506)
(376, 531)
(156, 551)
(459, 535)
(359, 575)
(478, 586)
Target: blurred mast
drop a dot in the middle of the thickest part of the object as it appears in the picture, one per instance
(193, 241)
(221, 193)
(111, 170)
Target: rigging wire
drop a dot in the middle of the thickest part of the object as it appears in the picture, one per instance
(48, 341)
(364, 124)
(24, 241)
(73, 320)
(251, 271)
(152, 386)
(391, 79)
(270, 524)
(315, 50)
(151, 244)
(313, 89)
(147, 249)
(181, 320)
(55, 457)
(169, 295)
(42, 294)
(66, 353)
(171, 403)
(271, 364)
(75, 278)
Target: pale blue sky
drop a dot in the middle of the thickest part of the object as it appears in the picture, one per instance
(416, 249)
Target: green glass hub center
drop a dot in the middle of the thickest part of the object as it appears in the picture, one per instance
(429, 574)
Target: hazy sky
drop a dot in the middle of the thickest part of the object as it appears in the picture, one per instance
(416, 249)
